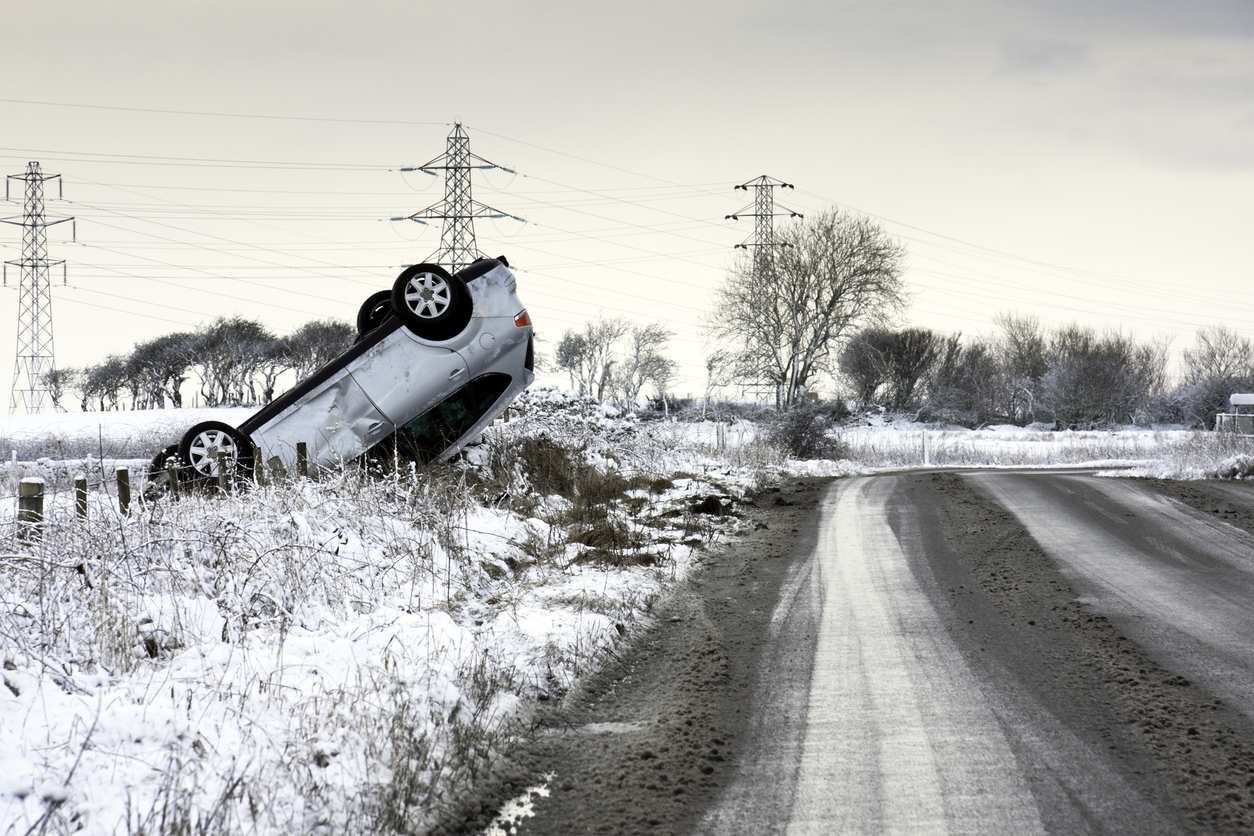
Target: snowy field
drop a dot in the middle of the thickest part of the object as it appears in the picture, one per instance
(349, 654)
(1167, 452)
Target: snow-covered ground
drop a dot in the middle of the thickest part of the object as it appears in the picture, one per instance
(335, 655)
(349, 653)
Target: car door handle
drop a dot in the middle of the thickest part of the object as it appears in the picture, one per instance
(455, 373)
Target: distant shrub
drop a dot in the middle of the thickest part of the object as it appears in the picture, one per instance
(1197, 404)
(804, 431)
(698, 409)
(949, 417)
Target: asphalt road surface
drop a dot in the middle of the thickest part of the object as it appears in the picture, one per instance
(962, 652)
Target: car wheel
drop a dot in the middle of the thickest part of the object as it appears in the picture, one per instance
(201, 444)
(431, 303)
(374, 311)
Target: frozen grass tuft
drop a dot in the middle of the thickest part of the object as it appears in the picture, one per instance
(1240, 466)
(1200, 455)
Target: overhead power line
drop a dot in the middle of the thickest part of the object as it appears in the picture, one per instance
(168, 111)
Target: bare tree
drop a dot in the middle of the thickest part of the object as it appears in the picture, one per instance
(572, 355)
(719, 373)
(910, 355)
(863, 363)
(588, 355)
(1152, 360)
(104, 383)
(660, 372)
(837, 271)
(274, 359)
(228, 354)
(1221, 352)
(1021, 349)
(642, 362)
(965, 382)
(160, 367)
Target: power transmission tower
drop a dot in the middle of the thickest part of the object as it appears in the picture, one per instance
(458, 210)
(763, 207)
(34, 313)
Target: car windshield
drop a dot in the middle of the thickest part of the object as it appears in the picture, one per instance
(431, 433)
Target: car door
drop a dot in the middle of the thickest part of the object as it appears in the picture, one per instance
(336, 420)
(404, 377)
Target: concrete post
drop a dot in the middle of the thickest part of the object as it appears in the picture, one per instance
(30, 509)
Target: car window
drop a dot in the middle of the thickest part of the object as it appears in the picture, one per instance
(432, 432)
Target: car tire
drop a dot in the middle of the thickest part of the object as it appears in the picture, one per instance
(158, 476)
(157, 466)
(200, 445)
(374, 312)
(431, 303)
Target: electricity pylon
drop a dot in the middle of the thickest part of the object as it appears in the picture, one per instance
(34, 313)
(763, 207)
(457, 210)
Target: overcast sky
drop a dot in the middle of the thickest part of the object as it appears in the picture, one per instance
(1083, 162)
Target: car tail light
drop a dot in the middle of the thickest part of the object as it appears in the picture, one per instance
(522, 319)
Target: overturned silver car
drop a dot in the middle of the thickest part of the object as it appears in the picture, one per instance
(438, 358)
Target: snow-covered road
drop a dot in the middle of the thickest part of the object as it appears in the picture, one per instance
(958, 686)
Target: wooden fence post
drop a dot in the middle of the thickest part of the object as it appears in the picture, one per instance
(124, 489)
(259, 468)
(80, 496)
(302, 459)
(30, 509)
(223, 463)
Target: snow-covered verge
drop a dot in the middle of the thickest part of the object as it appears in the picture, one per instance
(344, 654)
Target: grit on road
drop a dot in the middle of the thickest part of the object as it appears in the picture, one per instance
(975, 652)
(1178, 583)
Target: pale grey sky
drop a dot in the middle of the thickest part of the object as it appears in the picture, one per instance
(1080, 161)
